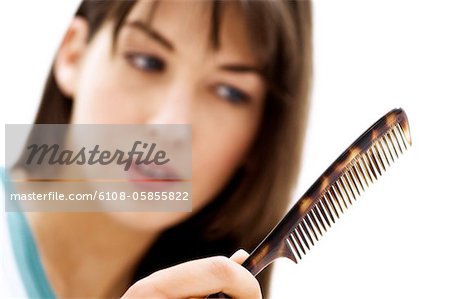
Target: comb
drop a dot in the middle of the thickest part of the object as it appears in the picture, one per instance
(360, 165)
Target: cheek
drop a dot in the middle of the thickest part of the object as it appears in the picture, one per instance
(217, 153)
(101, 101)
(101, 95)
(93, 104)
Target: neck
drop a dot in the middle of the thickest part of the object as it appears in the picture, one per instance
(87, 254)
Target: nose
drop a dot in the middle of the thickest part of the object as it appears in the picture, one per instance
(171, 121)
(175, 103)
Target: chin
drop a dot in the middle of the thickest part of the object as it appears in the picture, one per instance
(149, 221)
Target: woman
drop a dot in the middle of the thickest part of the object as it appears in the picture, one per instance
(239, 73)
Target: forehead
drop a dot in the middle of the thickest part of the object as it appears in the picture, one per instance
(187, 23)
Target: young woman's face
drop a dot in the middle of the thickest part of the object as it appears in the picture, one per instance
(172, 75)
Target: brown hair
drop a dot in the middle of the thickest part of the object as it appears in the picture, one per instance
(258, 194)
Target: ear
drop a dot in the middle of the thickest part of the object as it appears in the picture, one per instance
(69, 57)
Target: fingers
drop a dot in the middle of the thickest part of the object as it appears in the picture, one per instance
(199, 278)
(239, 256)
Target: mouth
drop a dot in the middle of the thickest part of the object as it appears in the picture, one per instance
(155, 172)
(153, 177)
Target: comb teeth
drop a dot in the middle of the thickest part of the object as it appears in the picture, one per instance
(364, 169)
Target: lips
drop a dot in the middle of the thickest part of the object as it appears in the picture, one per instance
(154, 172)
(153, 177)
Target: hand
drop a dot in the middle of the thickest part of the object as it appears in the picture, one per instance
(198, 279)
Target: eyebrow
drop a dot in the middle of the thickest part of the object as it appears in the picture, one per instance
(241, 68)
(139, 25)
(235, 68)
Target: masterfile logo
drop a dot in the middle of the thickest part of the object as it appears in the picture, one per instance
(99, 167)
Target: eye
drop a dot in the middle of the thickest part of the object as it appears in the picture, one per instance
(232, 94)
(145, 62)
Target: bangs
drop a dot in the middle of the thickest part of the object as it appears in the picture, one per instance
(273, 38)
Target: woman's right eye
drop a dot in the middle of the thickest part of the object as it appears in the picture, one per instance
(145, 62)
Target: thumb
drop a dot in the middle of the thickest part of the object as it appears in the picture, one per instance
(239, 256)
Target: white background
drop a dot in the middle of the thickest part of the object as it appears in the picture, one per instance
(370, 56)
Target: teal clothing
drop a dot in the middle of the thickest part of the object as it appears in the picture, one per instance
(25, 252)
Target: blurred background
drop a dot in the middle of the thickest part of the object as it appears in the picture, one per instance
(370, 57)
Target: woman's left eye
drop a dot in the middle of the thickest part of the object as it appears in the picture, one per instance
(232, 94)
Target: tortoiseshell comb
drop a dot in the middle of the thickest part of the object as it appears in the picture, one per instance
(353, 171)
